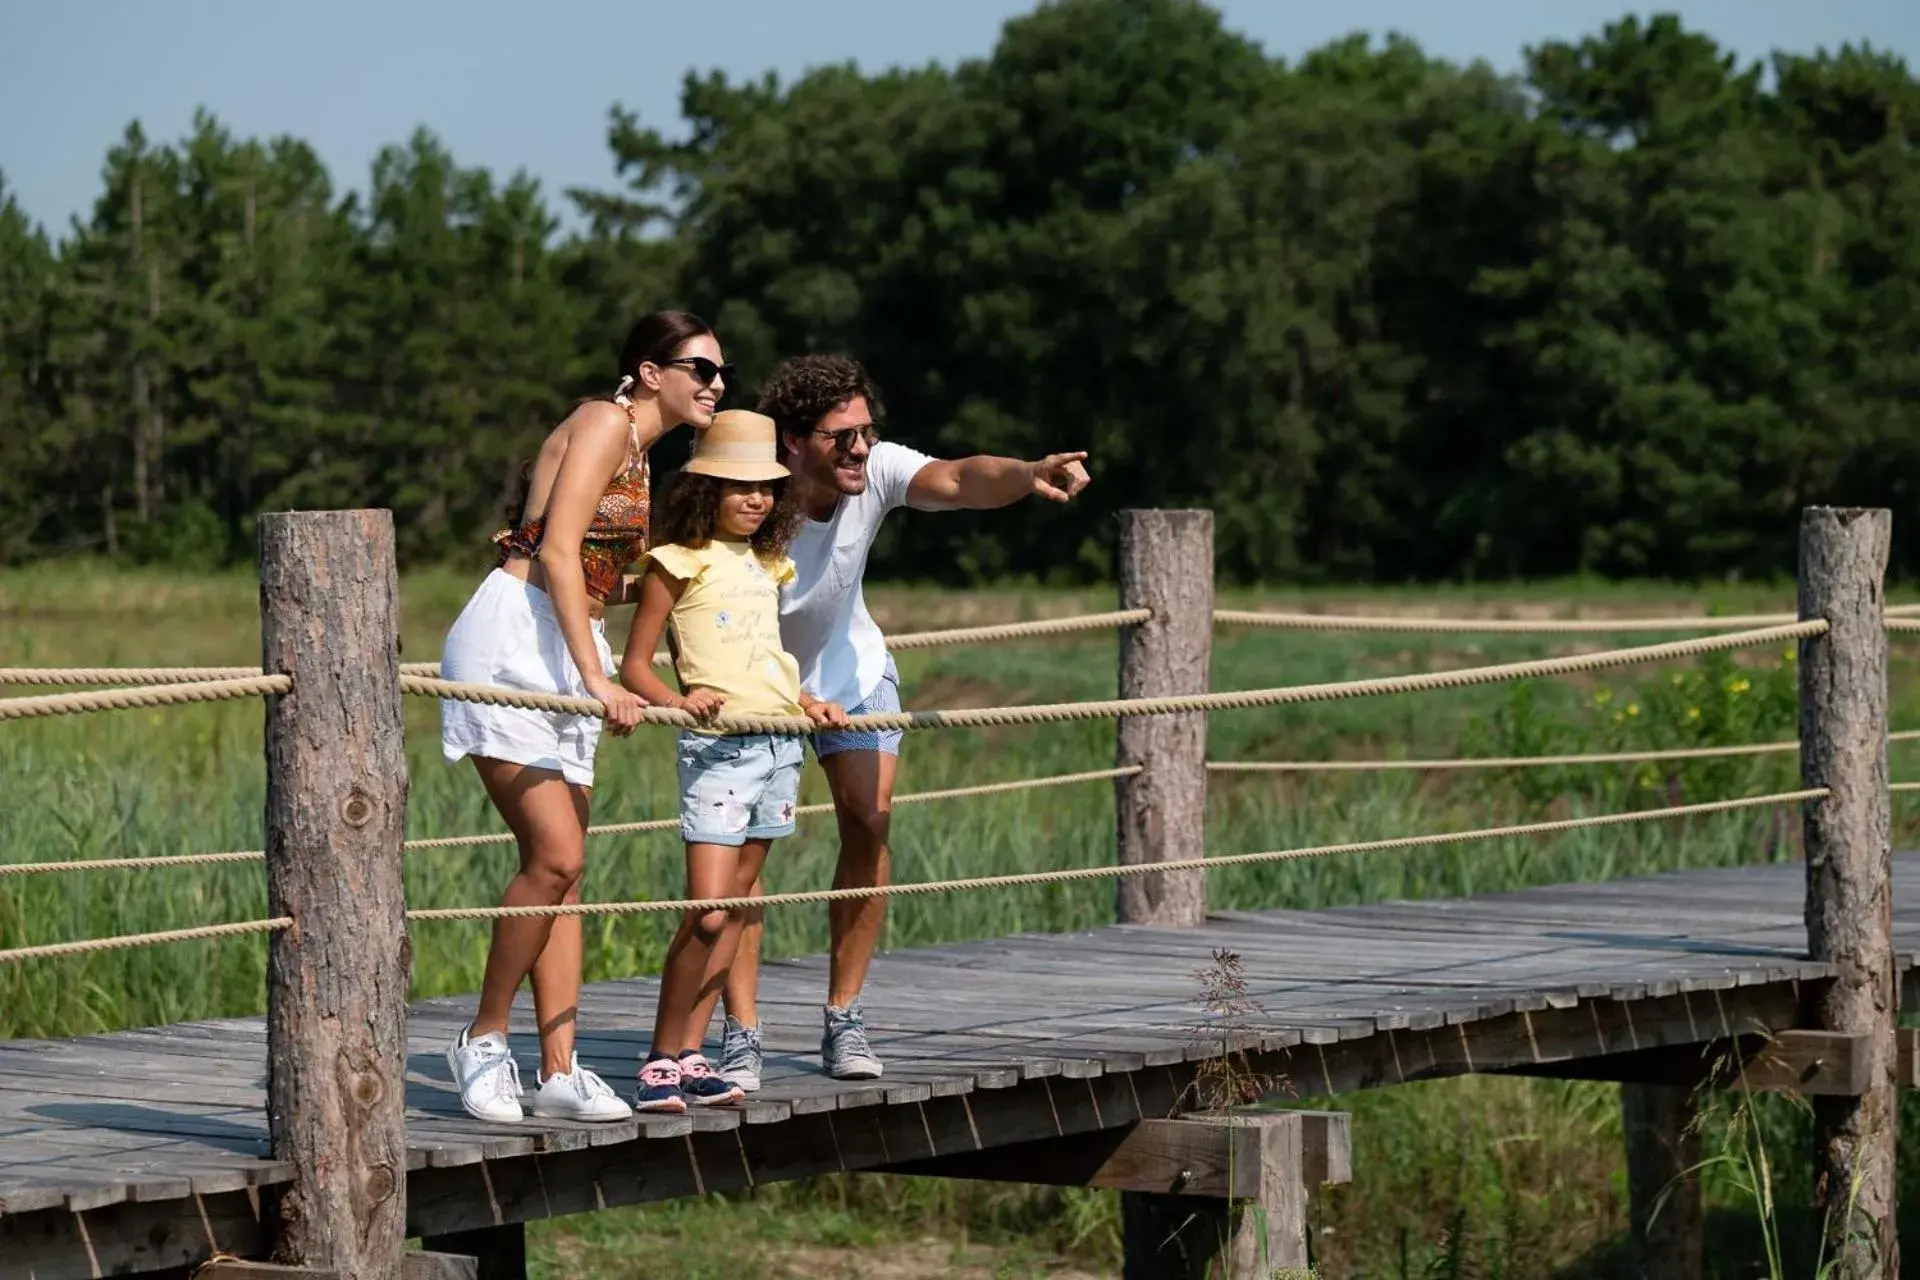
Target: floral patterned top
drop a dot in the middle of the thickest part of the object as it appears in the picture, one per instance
(617, 535)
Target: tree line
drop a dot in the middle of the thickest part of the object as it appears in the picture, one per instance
(1390, 317)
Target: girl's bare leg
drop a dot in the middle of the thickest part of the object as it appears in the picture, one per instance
(732, 950)
(711, 869)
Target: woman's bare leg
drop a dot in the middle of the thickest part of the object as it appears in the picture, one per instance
(548, 816)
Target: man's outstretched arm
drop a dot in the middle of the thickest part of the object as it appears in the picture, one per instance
(984, 482)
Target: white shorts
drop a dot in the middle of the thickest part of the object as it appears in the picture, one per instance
(508, 635)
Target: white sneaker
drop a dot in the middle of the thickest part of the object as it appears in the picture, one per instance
(579, 1094)
(488, 1080)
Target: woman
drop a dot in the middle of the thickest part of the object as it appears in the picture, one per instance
(537, 623)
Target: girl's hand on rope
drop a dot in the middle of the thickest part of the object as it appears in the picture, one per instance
(828, 715)
(703, 704)
(1059, 476)
(623, 706)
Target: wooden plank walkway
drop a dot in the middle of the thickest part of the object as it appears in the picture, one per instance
(145, 1149)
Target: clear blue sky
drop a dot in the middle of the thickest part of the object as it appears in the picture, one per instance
(519, 85)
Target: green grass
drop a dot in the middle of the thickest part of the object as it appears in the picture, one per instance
(1517, 1177)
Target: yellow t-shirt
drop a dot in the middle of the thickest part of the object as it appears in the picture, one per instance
(726, 626)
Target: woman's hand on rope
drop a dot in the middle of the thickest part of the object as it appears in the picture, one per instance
(1059, 476)
(828, 715)
(703, 704)
(623, 706)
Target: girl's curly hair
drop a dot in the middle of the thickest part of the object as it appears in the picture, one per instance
(689, 515)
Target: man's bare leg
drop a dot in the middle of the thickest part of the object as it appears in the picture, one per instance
(862, 787)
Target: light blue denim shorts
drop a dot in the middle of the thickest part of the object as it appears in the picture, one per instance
(884, 700)
(738, 787)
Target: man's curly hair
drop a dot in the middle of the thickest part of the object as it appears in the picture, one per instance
(689, 515)
(804, 389)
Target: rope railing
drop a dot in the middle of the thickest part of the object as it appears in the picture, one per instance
(1521, 762)
(161, 695)
(926, 887)
(1291, 621)
(507, 837)
(1114, 872)
(1001, 631)
(1115, 708)
(128, 941)
(1897, 619)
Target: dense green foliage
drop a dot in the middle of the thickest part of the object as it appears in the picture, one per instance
(1390, 317)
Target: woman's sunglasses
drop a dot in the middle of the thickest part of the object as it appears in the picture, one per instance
(704, 371)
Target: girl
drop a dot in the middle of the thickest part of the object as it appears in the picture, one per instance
(714, 579)
(537, 623)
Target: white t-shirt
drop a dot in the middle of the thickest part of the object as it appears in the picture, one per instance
(823, 614)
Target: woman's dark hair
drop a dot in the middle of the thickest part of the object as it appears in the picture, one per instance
(804, 389)
(689, 515)
(656, 337)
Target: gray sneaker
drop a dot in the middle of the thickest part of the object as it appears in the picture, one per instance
(845, 1051)
(740, 1057)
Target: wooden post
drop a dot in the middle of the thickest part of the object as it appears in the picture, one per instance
(1843, 747)
(1663, 1185)
(1166, 565)
(1258, 1237)
(336, 814)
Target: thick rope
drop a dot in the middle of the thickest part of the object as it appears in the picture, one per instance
(1107, 872)
(919, 888)
(1019, 630)
(1518, 626)
(120, 675)
(162, 695)
(127, 941)
(912, 640)
(1899, 625)
(1904, 786)
(1518, 762)
(507, 837)
(1063, 712)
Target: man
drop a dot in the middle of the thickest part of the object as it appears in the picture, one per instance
(846, 480)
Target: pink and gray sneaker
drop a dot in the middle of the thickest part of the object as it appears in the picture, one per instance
(702, 1085)
(659, 1089)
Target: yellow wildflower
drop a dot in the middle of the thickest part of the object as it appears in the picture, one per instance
(1633, 708)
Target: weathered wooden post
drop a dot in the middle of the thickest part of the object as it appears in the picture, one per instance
(1166, 565)
(336, 815)
(1663, 1185)
(1843, 747)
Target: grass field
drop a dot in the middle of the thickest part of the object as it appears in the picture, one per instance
(1485, 1177)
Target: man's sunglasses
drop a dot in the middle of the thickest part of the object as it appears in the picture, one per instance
(843, 439)
(704, 371)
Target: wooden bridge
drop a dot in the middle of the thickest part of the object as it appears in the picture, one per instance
(1081, 1059)
(1027, 1058)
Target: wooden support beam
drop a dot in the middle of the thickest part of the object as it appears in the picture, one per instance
(414, 1266)
(1665, 1218)
(1166, 565)
(335, 817)
(499, 1253)
(1843, 748)
(1243, 1238)
(1809, 1063)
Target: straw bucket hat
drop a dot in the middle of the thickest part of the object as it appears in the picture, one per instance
(737, 445)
